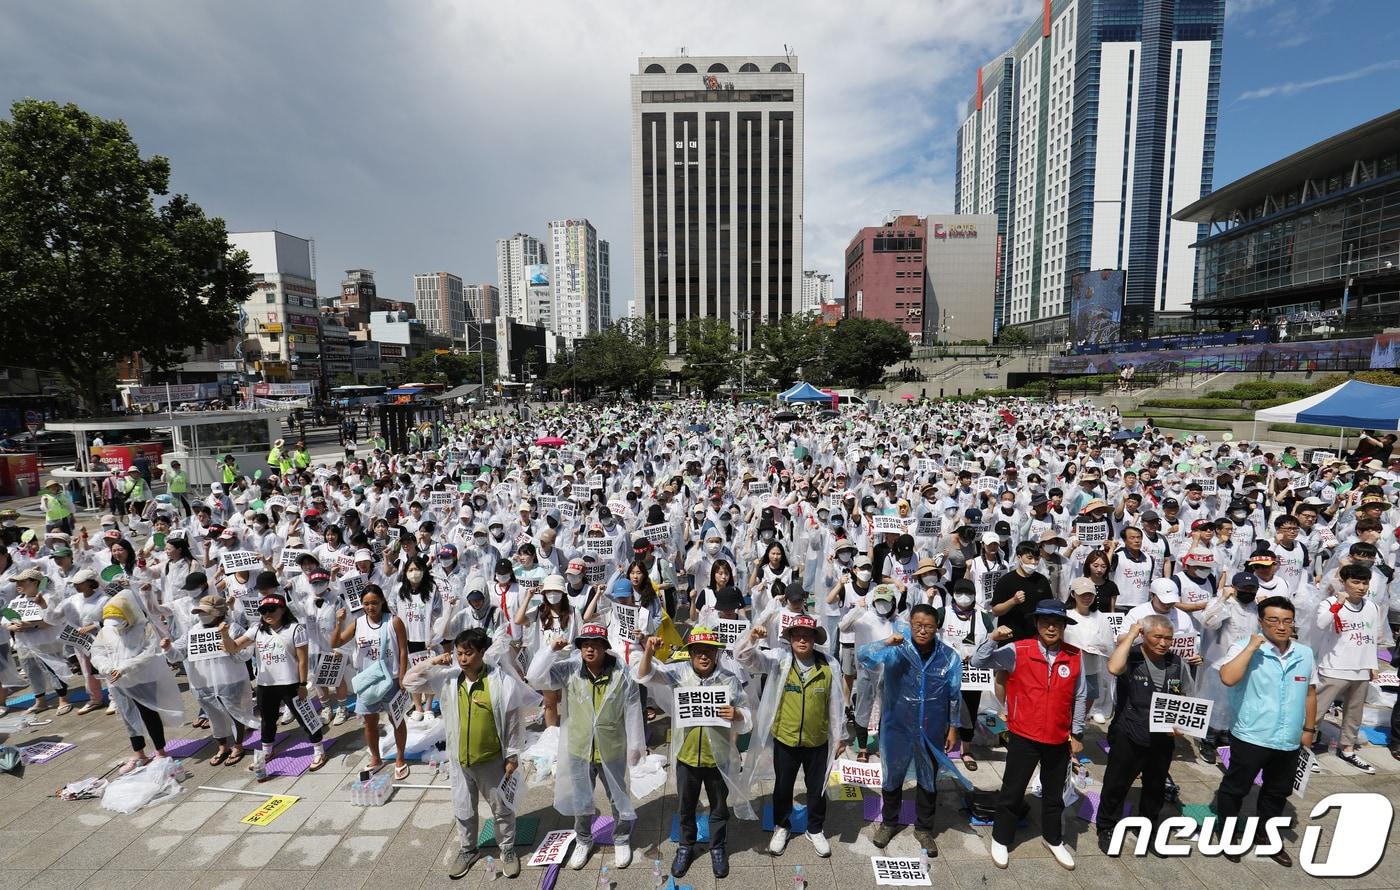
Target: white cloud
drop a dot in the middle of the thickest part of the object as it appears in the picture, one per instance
(1293, 87)
(409, 137)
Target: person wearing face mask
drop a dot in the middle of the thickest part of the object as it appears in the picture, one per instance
(1195, 581)
(552, 621)
(1054, 564)
(901, 563)
(476, 610)
(1017, 594)
(987, 568)
(870, 618)
(128, 650)
(218, 680)
(418, 604)
(316, 601)
(962, 626)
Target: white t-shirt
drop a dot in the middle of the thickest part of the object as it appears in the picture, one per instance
(277, 655)
(1351, 653)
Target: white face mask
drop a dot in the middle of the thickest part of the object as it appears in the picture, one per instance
(554, 597)
(712, 547)
(963, 599)
(863, 574)
(1199, 573)
(504, 578)
(414, 575)
(884, 608)
(844, 557)
(928, 581)
(479, 539)
(498, 535)
(1051, 549)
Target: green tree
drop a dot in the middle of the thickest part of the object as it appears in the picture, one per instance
(91, 268)
(710, 359)
(449, 369)
(628, 356)
(1013, 337)
(859, 349)
(791, 346)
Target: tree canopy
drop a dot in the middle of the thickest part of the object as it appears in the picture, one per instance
(791, 346)
(710, 359)
(91, 268)
(859, 349)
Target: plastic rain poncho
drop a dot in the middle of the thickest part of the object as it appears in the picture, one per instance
(919, 700)
(135, 651)
(219, 683)
(615, 727)
(722, 742)
(775, 663)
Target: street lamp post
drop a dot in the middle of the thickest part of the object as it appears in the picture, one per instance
(745, 316)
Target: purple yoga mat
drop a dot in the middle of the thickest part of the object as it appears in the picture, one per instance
(873, 804)
(185, 748)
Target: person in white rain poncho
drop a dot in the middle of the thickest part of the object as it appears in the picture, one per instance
(128, 650)
(35, 631)
(800, 724)
(218, 680)
(704, 756)
(602, 735)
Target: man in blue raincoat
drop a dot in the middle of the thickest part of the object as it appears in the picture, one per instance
(920, 696)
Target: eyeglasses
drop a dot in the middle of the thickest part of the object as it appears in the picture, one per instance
(1277, 622)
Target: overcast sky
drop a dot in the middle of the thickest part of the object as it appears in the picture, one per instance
(408, 137)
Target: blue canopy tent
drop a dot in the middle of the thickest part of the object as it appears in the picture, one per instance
(1352, 405)
(804, 392)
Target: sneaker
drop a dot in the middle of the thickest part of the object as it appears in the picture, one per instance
(111, 710)
(1208, 753)
(820, 844)
(681, 864)
(1001, 857)
(341, 715)
(779, 842)
(719, 861)
(286, 718)
(1352, 758)
(85, 709)
(883, 835)
(1106, 841)
(326, 716)
(580, 855)
(416, 716)
(622, 854)
(1099, 718)
(1061, 853)
(462, 863)
(510, 864)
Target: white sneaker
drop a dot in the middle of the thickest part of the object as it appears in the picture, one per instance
(326, 716)
(1061, 853)
(820, 843)
(341, 715)
(779, 842)
(580, 856)
(622, 855)
(1001, 857)
(416, 716)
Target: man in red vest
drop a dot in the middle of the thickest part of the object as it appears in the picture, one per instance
(1045, 696)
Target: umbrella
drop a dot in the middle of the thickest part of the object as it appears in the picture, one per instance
(783, 416)
(698, 428)
(826, 414)
(551, 441)
(907, 395)
(1125, 435)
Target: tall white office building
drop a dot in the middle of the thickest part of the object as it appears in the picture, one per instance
(717, 188)
(440, 302)
(1084, 138)
(518, 259)
(579, 278)
(816, 289)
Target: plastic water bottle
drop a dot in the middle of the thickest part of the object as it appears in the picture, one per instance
(604, 879)
(799, 880)
(658, 877)
(492, 870)
(923, 860)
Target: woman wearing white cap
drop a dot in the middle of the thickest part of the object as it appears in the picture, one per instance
(551, 620)
(218, 680)
(83, 612)
(36, 636)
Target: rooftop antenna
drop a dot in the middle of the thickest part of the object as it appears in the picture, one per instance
(787, 52)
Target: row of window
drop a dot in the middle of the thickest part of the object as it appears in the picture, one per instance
(655, 96)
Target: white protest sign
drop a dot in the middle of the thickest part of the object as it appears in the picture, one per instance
(976, 679)
(239, 561)
(545, 503)
(1319, 456)
(330, 671)
(309, 715)
(1116, 620)
(833, 502)
(594, 481)
(925, 466)
(1094, 534)
(659, 535)
(72, 637)
(345, 562)
(416, 658)
(353, 586)
(1189, 715)
(1184, 645)
(760, 489)
(600, 547)
(883, 524)
(1387, 678)
(1209, 485)
(986, 483)
(989, 581)
(971, 466)
(36, 753)
(398, 707)
(394, 531)
(508, 791)
(567, 510)
(627, 620)
(205, 644)
(866, 775)
(249, 603)
(28, 609)
(552, 849)
(594, 573)
(699, 706)
(929, 527)
(1303, 771)
(906, 871)
(730, 631)
(290, 555)
(440, 500)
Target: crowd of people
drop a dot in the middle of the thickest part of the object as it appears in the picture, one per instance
(909, 589)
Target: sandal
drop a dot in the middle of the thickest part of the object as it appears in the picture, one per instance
(63, 709)
(863, 757)
(401, 772)
(201, 723)
(40, 706)
(234, 756)
(317, 762)
(86, 709)
(219, 758)
(969, 763)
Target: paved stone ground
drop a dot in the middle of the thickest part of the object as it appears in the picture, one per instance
(323, 841)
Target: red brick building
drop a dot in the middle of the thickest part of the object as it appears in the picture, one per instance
(886, 274)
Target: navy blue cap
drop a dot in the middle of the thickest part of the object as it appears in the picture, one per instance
(1054, 609)
(1246, 580)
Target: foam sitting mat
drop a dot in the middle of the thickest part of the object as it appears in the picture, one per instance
(291, 761)
(1224, 754)
(1198, 811)
(526, 827)
(1088, 808)
(797, 820)
(1376, 735)
(27, 700)
(183, 748)
(702, 828)
(873, 808)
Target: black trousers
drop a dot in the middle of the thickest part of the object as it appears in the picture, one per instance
(1022, 757)
(786, 762)
(969, 726)
(925, 805)
(1246, 761)
(1126, 761)
(689, 779)
(153, 726)
(270, 701)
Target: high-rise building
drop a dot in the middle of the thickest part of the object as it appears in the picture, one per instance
(578, 279)
(283, 315)
(438, 296)
(816, 290)
(358, 296)
(717, 188)
(514, 258)
(604, 284)
(1084, 139)
(483, 301)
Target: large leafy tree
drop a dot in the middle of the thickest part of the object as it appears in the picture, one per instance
(91, 268)
(710, 359)
(628, 356)
(791, 345)
(859, 349)
(449, 369)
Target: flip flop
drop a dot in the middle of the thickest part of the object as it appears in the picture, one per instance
(401, 772)
(317, 763)
(219, 758)
(201, 723)
(969, 763)
(234, 756)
